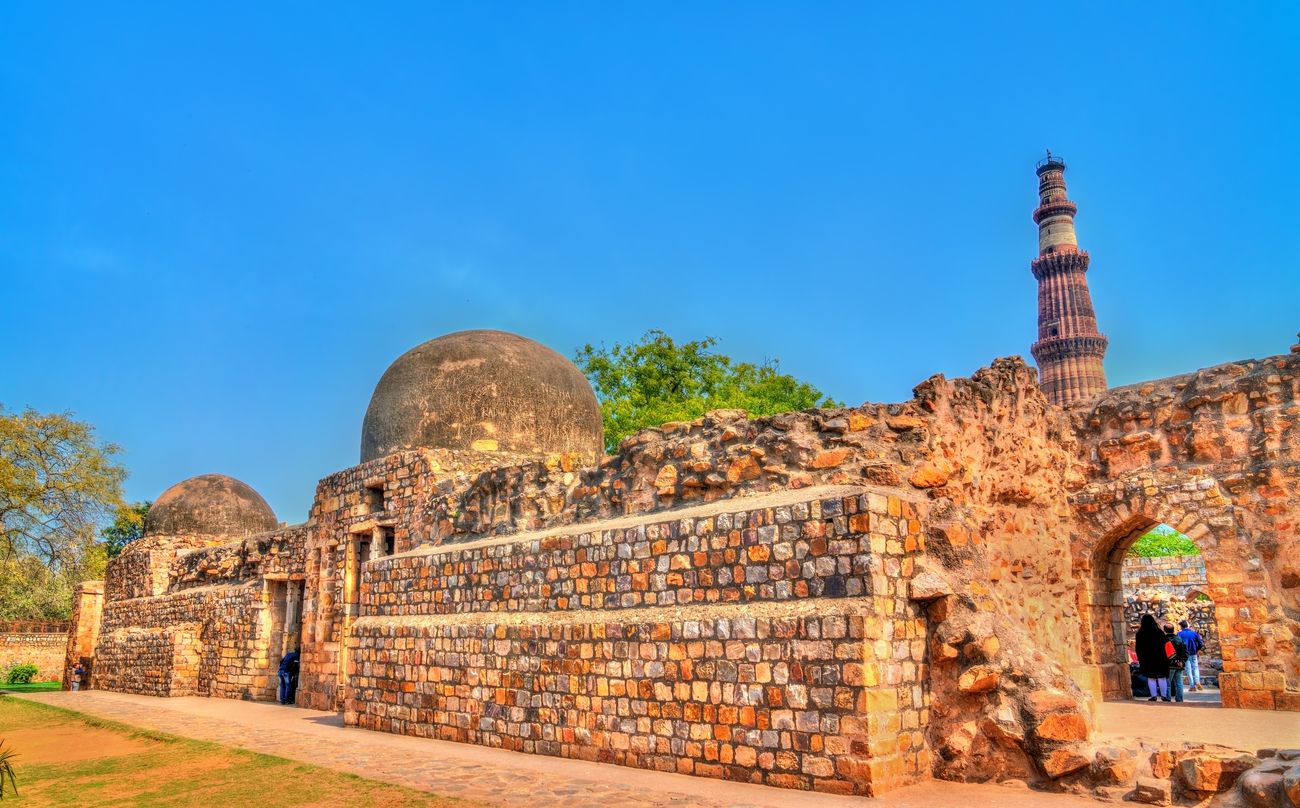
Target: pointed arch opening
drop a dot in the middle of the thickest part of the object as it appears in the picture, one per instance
(1163, 575)
(1141, 566)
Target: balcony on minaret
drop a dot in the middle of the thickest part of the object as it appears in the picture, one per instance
(1055, 207)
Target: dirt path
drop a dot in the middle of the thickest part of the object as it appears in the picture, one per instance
(67, 743)
(492, 775)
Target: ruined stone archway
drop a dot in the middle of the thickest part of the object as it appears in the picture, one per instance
(1105, 624)
(1167, 580)
(1110, 518)
(1257, 632)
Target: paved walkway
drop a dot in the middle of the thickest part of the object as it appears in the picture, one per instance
(1200, 718)
(493, 775)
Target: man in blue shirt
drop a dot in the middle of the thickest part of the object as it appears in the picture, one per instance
(289, 677)
(1194, 644)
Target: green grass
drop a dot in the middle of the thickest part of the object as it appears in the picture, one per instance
(164, 770)
(31, 687)
(1163, 540)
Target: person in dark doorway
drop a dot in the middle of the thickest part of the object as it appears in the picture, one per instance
(289, 677)
(1176, 653)
(77, 674)
(1152, 659)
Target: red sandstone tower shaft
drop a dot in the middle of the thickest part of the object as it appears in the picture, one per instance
(1069, 349)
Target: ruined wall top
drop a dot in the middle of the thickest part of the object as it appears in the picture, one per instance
(926, 444)
(1234, 418)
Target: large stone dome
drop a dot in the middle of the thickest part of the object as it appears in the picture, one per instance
(484, 391)
(211, 505)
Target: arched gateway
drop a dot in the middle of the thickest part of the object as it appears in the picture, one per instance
(1212, 455)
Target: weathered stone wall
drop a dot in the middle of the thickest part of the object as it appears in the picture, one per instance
(770, 641)
(142, 570)
(150, 661)
(278, 554)
(1216, 455)
(216, 595)
(356, 507)
(988, 454)
(83, 633)
(233, 632)
(1179, 576)
(34, 643)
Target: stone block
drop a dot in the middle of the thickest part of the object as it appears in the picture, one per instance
(1153, 791)
(1063, 726)
(1065, 760)
(1212, 774)
(1287, 700)
(1256, 700)
(1042, 702)
(928, 585)
(1114, 765)
(979, 679)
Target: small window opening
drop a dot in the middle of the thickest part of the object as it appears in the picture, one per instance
(387, 540)
(375, 500)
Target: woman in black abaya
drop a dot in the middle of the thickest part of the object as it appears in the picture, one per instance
(1152, 659)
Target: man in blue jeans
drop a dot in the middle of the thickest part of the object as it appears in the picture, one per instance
(1177, 651)
(1192, 639)
(289, 677)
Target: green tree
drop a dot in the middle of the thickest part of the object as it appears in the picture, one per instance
(1163, 540)
(31, 590)
(656, 380)
(126, 527)
(57, 483)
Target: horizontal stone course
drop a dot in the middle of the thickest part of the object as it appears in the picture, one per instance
(818, 548)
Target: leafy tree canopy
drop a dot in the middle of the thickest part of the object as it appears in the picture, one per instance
(656, 380)
(126, 527)
(1163, 540)
(29, 590)
(57, 483)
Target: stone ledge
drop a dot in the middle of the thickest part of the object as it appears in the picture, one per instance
(741, 504)
(807, 607)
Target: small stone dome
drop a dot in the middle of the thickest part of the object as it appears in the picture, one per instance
(483, 391)
(210, 504)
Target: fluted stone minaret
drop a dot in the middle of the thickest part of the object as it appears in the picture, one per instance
(1069, 349)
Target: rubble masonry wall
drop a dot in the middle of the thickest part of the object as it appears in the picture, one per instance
(771, 643)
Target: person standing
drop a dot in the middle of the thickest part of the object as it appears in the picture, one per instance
(77, 673)
(1152, 659)
(1176, 652)
(289, 677)
(1195, 644)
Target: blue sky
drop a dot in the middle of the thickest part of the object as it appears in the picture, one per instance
(217, 229)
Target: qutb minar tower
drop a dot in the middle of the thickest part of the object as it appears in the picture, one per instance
(1069, 349)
